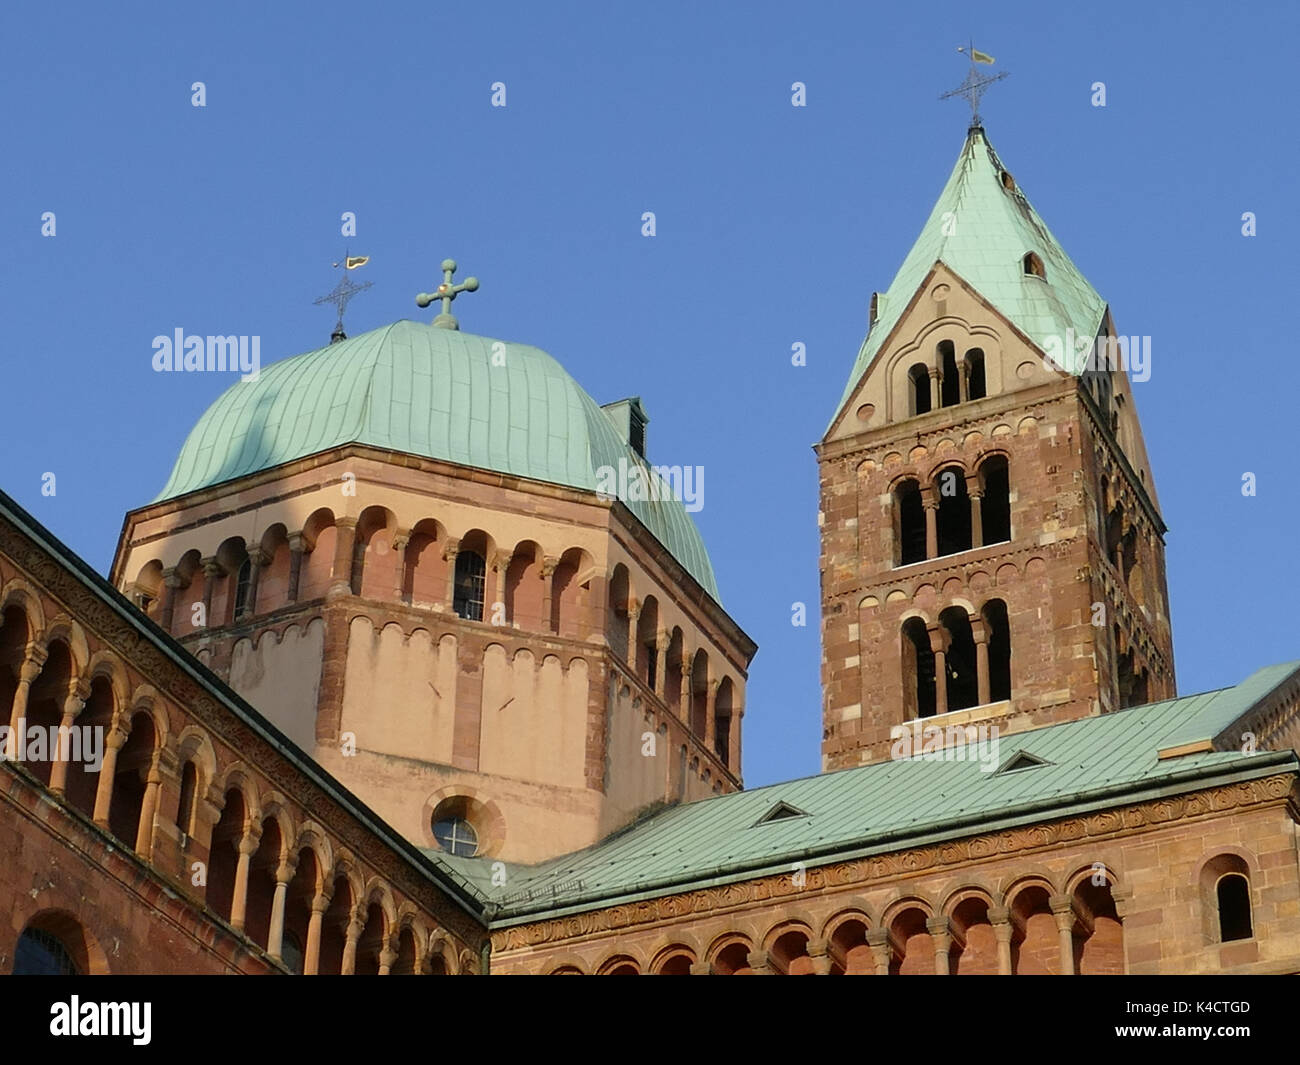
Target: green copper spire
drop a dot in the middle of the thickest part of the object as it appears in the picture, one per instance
(982, 228)
(447, 292)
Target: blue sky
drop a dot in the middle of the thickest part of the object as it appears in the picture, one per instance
(774, 225)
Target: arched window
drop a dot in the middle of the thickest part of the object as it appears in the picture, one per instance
(954, 517)
(243, 579)
(909, 523)
(185, 809)
(291, 953)
(918, 670)
(41, 954)
(1225, 896)
(471, 571)
(995, 506)
(959, 662)
(950, 384)
(1034, 266)
(976, 386)
(919, 388)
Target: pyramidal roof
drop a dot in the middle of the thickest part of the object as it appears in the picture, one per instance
(981, 228)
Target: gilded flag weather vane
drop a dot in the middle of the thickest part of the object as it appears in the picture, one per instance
(344, 291)
(976, 83)
(447, 292)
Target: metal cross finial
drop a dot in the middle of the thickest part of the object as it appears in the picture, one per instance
(447, 292)
(343, 292)
(975, 84)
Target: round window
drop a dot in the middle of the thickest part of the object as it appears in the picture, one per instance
(456, 836)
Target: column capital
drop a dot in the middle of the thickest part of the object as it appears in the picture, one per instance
(549, 565)
(212, 568)
(450, 548)
(346, 522)
(258, 557)
(172, 579)
(937, 926)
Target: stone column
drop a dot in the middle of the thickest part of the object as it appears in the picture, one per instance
(939, 645)
(104, 792)
(355, 927)
(684, 702)
(931, 506)
(881, 949)
(661, 665)
(257, 558)
(633, 651)
(171, 582)
(33, 660)
(341, 573)
(297, 543)
(701, 968)
(494, 590)
(981, 637)
(976, 515)
(275, 937)
(941, 936)
(148, 808)
(1062, 907)
(386, 958)
(401, 539)
(311, 953)
(247, 848)
(818, 954)
(710, 708)
(548, 568)
(964, 370)
(72, 706)
(449, 552)
(1000, 919)
(936, 388)
(212, 572)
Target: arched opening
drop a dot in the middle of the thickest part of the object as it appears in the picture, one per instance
(909, 524)
(676, 964)
(849, 951)
(673, 674)
(526, 590)
(732, 960)
(189, 792)
(954, 517)
(223, 855)
(320, 543)
(404, 963)
(470, 581)
(723, 721)
(914, 946)
(995, 505)
(975, 945)
(424, 577)
(700, 694)
(976, 386)
(54, 944)
(149, 589)
(261, 883)
(334, 928)
(997, 626)
(571, 595)
(370, 944)
(298, 900)
(273, 582)
(618, 623)
(1233, 895)
(647, 635)
(789, 954)
(959, 661)
(1035, 946)
(243, 584)
(1099, 952)
(231, 575)
(130, 781)
(374, 570)
(918, 670)
(950, 383)
(918, 379)
(1033, 266)
(45, 709)
(83, 774)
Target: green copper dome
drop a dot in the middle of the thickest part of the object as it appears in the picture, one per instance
(437, 393)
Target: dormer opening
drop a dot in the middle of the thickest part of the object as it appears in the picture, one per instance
(1033, 266)
(1008, 182)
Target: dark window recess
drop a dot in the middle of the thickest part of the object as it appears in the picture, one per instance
(470, 576)
(40, 954)
(242, 582)
(1233, 893)
(995, 507)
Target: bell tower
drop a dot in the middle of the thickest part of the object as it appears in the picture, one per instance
(992, 545)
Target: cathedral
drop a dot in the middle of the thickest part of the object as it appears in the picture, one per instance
(418, 665)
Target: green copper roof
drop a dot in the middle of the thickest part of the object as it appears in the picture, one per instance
(438, 393)
(1089, 764)
(982, 230)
